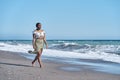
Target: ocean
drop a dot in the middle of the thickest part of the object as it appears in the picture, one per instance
(73, 51)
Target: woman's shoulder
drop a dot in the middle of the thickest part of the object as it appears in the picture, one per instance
(34, 31)
(43, 31)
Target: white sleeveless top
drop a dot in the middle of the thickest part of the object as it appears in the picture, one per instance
(39, 34)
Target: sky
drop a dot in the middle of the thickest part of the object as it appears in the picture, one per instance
(61, 19)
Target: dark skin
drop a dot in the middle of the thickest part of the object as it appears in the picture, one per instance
(38, 56)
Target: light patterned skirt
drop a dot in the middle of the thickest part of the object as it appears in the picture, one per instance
(39, 43)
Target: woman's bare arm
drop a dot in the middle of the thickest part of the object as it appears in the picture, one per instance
(45, 41)
(33, 41)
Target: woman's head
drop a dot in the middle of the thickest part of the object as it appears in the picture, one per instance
(38, 26)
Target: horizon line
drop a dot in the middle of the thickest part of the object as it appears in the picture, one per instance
(59, 39)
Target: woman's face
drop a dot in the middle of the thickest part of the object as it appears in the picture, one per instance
(39, 26)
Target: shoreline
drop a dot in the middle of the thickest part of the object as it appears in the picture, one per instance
(93, 64)
(13, 66)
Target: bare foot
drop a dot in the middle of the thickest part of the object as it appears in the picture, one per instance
(32, 64)
(40, 66)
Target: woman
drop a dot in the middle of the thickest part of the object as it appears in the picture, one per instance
(39, 39)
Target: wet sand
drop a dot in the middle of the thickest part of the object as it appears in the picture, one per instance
(13, 66)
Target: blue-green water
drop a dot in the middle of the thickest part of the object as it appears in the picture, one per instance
(109, 46)
(73, 51)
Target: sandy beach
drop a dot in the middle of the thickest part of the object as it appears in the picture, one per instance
(13, 66)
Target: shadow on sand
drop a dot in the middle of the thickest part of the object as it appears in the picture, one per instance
(15, 64)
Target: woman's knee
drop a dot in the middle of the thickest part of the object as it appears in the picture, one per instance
(39, 54)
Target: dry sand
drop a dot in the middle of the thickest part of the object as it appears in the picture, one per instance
(16, 67)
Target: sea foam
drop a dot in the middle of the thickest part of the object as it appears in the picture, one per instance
(89, 54)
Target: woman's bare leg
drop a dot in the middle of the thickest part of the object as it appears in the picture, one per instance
(35, 59)
(39, 58)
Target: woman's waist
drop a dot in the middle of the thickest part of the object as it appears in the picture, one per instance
(39, 39)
